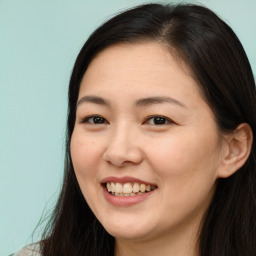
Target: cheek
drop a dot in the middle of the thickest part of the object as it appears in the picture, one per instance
(185, 156)
(85, 158)
(84, 155)
(186, 172)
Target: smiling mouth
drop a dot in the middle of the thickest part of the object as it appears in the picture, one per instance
(128, 189)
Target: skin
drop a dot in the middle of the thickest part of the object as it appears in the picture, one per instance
(183, 157)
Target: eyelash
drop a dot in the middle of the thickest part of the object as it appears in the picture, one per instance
(86, 119)
(156, 118)
(159, 118)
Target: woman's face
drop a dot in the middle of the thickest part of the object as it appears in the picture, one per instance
(141, 121)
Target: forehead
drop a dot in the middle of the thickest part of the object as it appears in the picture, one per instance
(151, 56)
(141, 70)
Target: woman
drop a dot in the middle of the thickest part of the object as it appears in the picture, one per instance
(160, 149)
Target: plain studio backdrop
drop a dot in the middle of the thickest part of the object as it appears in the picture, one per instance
(39, 41)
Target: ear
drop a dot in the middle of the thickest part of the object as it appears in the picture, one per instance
(236, 150)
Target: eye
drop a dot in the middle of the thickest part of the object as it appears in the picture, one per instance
(94, 120)
(158, 120)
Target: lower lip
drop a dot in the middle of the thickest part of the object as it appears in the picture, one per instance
(127, 200)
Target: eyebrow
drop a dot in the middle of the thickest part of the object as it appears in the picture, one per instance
(94, 99)
(158, 100)
(140, 103)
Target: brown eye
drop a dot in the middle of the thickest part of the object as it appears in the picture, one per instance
(158, 120)
(94, 120)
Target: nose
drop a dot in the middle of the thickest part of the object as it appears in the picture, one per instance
(123, 148)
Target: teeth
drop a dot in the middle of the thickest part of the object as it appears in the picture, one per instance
(125, 195)
(142, 187)
(128, 189)
(119, 188)
(112, 187)
(136, 188)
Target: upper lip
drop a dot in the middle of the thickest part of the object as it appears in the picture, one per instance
(125, 179)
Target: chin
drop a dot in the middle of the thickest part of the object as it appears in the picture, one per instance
(128, 234)
(128, 230)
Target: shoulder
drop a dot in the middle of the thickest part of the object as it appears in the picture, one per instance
(30, 250)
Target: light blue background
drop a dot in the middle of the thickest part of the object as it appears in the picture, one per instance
(39, 41)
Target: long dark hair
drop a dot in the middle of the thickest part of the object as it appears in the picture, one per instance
(223, 73)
